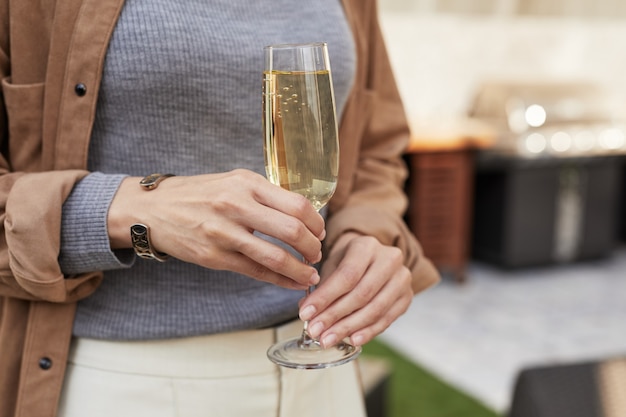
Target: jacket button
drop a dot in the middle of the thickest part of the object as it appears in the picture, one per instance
(80, 89)
(45, 363)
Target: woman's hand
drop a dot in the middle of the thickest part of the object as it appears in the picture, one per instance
(365, 287)
(210, 220)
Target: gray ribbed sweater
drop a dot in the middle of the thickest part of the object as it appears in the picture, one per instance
(181, 93)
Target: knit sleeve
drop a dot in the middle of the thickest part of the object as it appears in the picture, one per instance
(84, 237)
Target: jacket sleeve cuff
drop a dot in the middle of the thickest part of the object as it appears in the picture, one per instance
(31, 229)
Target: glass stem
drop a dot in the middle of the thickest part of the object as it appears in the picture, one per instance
(306, 340)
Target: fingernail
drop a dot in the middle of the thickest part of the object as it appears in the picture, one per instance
(307, 313)
(315, 330)
(323, 235)
(318, 258)
(315, 279)
(357, 340)
(329, 340)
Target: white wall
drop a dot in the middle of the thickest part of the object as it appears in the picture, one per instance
(582, 8)
(440, 60)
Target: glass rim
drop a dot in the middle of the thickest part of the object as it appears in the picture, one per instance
(296, 45)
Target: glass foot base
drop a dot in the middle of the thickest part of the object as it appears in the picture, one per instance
(299, 354)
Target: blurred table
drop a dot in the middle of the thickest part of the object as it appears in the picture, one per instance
(440, 189)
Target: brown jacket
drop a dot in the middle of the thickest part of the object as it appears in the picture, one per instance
(51, 55)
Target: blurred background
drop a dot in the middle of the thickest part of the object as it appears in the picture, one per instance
(517, 191)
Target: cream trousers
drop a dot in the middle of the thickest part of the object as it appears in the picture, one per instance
(218, 375)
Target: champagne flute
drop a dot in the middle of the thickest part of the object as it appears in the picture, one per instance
(302, 155)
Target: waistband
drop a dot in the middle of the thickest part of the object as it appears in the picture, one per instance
(211, 356)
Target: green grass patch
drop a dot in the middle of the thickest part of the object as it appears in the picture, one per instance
(415, 392)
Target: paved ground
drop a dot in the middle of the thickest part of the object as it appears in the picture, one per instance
(479, 335)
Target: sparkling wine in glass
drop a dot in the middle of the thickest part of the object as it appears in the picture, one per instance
(302, 155)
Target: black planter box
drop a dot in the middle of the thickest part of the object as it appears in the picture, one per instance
(533, 212)
(622, 205)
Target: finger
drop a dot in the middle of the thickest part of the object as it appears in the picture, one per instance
(237, 249)
(250, 216)
(244, 265)
(368, 287)
(289, 230)
(296, 206)
(275, 259)
(364, 324)
(346, 276)
(367, 333)
(268, 256)
(277, 219)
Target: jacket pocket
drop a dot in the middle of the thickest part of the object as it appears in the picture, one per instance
(24, 107)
